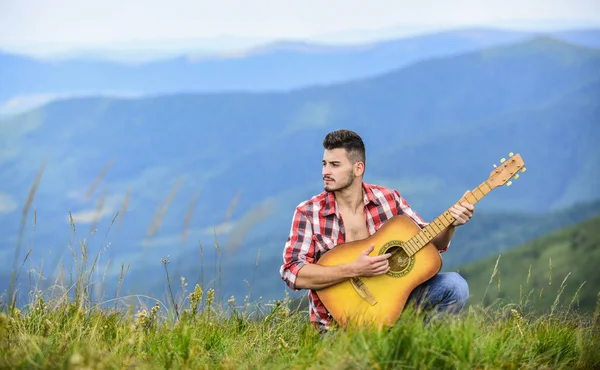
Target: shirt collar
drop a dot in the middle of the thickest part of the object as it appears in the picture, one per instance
(330, 205)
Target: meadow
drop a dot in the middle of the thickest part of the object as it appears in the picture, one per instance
(65, 328)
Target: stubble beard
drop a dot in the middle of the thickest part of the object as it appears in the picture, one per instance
(347, 184)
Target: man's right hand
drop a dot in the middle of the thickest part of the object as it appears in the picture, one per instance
(366, 265)
(315, 277)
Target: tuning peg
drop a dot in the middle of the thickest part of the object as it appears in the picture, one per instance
(509, 183)
(503, 160)
(511, 154)
(516, 176)
(523, 169)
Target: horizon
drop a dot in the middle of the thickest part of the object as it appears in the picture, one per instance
(205, 29)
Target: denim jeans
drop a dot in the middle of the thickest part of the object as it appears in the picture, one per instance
(445, 292)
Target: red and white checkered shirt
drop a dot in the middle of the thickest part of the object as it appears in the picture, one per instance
(317, 227)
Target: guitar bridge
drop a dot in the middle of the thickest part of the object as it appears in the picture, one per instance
(363, 291)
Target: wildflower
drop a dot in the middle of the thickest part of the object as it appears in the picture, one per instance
(155, 310)
(195, 298)
(183, 283)
(16, 312)
(210, 297)
(142, 319)
(518, 319)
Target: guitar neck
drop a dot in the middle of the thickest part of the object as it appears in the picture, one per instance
(435, 227)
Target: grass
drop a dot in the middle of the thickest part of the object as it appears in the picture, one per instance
(74, 335)
(68, 330)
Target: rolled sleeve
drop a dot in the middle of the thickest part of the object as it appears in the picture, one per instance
(298, 250)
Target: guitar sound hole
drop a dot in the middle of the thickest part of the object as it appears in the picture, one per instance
(399, 260)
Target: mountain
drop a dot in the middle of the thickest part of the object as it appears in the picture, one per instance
(278, 66)
(588, 37)
(186, 168)
(536, 272)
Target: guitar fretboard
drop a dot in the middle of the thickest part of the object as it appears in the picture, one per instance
(426, 235)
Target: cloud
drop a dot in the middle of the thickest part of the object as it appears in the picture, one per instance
(225, 24)
(7, 203)
(90, 216)
(22, 103)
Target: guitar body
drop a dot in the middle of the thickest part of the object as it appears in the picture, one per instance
(390, 291)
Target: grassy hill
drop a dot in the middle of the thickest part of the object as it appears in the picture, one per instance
(543, 273)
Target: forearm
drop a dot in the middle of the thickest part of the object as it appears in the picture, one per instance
(442, 240)
(315, 277)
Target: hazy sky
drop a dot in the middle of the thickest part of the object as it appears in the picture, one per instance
(57, 24)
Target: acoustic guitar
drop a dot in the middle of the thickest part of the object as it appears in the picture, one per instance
(380, 300)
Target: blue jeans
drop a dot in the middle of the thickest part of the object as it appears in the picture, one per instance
(445, 292)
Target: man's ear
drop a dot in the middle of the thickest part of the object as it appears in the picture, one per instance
(359, 168)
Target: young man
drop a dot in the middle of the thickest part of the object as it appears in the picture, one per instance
(349, 209)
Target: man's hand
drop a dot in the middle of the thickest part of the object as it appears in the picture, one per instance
(462, 212)
(366, 265)
(315, 277)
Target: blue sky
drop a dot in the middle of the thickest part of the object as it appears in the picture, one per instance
(49, 26)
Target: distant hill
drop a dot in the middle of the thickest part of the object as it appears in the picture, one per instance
(236, 164)
(536, 271)
(279, 66)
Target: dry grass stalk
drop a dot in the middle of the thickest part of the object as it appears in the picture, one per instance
(30, 198)
(99, 178)
(162, 211)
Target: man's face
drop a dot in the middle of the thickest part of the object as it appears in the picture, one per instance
(338, 171)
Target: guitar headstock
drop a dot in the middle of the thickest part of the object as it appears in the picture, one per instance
(508, 169)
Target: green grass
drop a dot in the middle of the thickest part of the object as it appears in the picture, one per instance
(67, 335)
(63, 327)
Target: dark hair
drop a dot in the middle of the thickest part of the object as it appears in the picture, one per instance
(348, 140)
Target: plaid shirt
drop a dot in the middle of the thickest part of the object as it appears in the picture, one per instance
(317, 227)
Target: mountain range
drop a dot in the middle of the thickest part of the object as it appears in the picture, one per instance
(187, 170)
(27, 82)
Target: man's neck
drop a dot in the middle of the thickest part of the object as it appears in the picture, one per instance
(351, 199)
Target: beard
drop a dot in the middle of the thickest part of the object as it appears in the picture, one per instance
(348, 181)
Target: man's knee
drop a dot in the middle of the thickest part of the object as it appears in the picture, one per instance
(456, 286)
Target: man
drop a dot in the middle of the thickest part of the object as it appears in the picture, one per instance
(349, 209)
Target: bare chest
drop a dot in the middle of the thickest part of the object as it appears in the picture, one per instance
(355, 226)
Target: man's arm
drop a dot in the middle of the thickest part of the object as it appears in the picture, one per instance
(442, 240)
(315, 277)
(300, 271)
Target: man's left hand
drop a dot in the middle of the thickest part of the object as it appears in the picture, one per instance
(462, 212)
